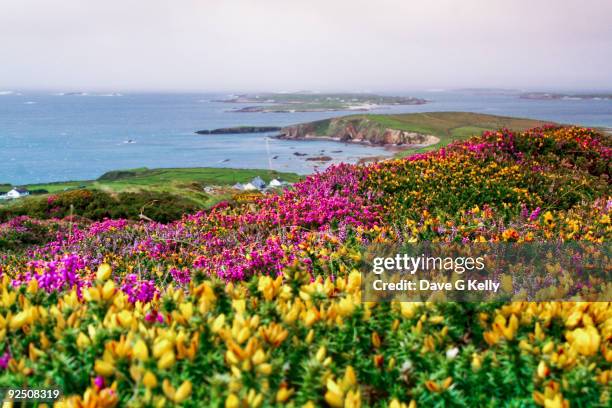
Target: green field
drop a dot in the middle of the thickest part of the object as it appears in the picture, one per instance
(451, 126)
(185, 182)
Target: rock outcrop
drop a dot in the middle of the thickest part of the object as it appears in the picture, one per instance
(356, 130)
(239, 130)
(320, 158)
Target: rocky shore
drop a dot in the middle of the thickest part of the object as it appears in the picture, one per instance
(320, 158)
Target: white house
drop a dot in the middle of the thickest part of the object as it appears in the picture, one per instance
(16, 193)
(275, 183)
(258, 183)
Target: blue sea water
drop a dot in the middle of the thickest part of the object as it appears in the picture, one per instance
(49, 137)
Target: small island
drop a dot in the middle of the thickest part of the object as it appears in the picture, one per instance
(239, 130)
(316, 102)
(319, 158)
(547, 96)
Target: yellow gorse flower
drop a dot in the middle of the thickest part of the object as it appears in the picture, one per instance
(585, 340)
(104, 272)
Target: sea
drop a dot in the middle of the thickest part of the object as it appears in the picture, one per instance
(47, 136)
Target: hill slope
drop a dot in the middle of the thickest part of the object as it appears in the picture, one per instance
(260, 304)
(407, 129)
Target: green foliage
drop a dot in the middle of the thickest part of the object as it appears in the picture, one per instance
(97, 205)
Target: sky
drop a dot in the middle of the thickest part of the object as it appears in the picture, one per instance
(289, 45)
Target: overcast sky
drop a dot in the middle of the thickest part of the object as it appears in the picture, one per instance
(234, 45)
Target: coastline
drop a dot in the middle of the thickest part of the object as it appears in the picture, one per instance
(403, 134)
(162, 129)
(431, 140)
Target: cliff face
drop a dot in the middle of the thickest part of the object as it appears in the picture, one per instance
(357, 130)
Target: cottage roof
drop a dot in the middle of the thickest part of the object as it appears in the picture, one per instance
(275, 183)
(258, 182)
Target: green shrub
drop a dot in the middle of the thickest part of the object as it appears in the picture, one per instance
(97, 205)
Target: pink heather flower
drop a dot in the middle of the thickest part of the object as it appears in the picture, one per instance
(138, 290)
(107, 225)
(154, 316)
(56, 275)
(535, 214)
(524, 211)
(181, 276)
(4, 360)
(99, 382)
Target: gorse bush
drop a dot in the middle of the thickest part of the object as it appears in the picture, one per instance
(556, 169)
(259, 303)
(97, 205)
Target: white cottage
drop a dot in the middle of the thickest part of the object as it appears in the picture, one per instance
(17, 193)
(249, 187)
(275, 183)
(258, 183)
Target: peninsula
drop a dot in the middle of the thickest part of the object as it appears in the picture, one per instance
(409, 132)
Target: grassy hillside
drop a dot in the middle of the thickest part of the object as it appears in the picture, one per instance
(123, 193)
(447, 126)
(183, 181)
(165, 179)
(453, 125)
